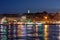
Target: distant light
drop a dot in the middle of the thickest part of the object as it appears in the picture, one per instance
(23, 17)
(28, 11)
(38, 23)
(29, 20)
(46, 26)
(45, 17)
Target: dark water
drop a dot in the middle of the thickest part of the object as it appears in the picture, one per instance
(10, 32)
(53, 32)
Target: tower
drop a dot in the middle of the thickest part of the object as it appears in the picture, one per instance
(28, 11)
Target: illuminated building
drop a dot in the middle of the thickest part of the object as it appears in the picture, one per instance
(28, 11)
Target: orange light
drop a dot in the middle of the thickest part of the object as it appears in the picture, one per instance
(45, 17)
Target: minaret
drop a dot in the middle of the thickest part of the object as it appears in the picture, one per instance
(28, 11)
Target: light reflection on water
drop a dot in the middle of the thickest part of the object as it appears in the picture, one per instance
(32, 32)
(53, 32)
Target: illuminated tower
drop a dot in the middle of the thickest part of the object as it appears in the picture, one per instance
(28, 11)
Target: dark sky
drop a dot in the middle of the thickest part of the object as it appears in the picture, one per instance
(21, 6)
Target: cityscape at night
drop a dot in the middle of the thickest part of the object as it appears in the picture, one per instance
(30, 26)
(29, 19)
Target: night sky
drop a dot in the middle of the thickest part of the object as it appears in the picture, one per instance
(21, 6)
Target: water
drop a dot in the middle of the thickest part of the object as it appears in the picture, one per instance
(53, 32)
(29, 32)
(3, 33)
(40, 32)
(21, 31)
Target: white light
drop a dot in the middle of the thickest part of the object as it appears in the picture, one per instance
(28, 11)
(38, 23)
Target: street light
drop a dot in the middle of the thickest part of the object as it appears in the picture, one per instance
(45, 17)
